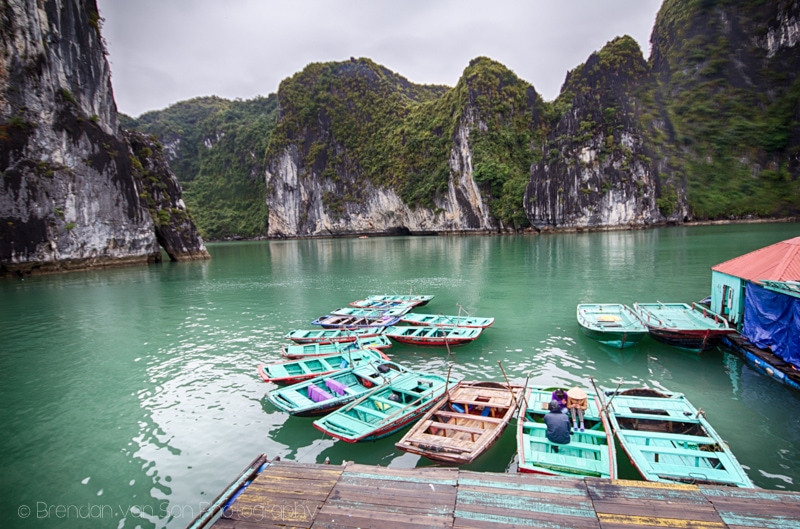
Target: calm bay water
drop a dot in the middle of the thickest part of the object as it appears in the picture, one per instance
(130, 397)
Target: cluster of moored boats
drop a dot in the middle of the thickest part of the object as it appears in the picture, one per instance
(341, 374)
(693, 327)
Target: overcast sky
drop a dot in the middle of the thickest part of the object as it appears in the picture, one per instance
(165, 51)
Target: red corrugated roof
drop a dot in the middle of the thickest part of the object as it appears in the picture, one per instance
(779, 262)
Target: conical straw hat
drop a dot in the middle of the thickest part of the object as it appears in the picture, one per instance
(576, 393)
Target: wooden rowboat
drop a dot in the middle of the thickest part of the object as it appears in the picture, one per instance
(590, 453)
(668, 440)
(382, 305)
(324, 336)
(294, 371)
(397, 310)
(318, 349)
(460, 427)
(326, 393)
(417, 300)
(681, 325)
(385, 410)
(611, 324)
(336, 321)
(433, 336)
(446, 321)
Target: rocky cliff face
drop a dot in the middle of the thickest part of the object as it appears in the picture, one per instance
(70, 199)
(597, 167)
(327, 174)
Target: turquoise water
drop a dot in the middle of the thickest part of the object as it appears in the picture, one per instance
(131, 398)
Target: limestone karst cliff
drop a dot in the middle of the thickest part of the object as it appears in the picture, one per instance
(598, 167)
(70, 198)
(359, 149)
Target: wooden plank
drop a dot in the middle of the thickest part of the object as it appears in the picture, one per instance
(658, 509)
(525, 482)
(608, 520)
(456, 415)
(605, 489)
(435, 475)
(332, 516)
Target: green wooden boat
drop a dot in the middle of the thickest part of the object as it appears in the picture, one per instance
(432, 336)
(611, 324)
(419, 300)
(590, 453)
(385, 410)
(441, 320)
(691, 327)
(294, 371)
(323, 336)
(397, 310)
(326, 393)
(668, 440)
(319, 349)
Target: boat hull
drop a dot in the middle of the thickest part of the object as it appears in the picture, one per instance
(690, 327)
(612, 324)
(288, 373)
(590, 453)
(644, 422)
(463, 425)
(326, 393)
(385, 410)
(439, 320)
(697, 341)
(328, 336)
(618, 339)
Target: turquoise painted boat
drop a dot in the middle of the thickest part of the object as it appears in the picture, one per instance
(320, 349)
(340, 321)
(419, 300)
(590, 453)
(691, 327)
(668, 440)
(432, 336)
(612, 324)
(385, 410)
(325, 336)
(382, 305)
(397, 310)
(326, 393)
(294, 371)
(441, 320)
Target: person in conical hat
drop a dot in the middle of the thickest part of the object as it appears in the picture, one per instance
(577, 403)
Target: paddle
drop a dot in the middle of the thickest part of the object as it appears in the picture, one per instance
(510, 390)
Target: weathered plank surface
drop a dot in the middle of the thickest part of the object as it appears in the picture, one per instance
(294, 495)
(385, 498)
(516, 500)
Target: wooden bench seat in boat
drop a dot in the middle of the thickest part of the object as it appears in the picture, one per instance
(457, 428)
(648, 438)
(457, 415)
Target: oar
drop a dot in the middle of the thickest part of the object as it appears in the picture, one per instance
(513, 398)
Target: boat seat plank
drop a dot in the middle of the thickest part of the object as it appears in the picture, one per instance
(421, 438)
(457, 415)
(586, 433)
(633, 434)
(493, 403)
(598, 449)
(457, 427)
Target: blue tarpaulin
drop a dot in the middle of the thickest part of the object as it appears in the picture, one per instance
(772, 320)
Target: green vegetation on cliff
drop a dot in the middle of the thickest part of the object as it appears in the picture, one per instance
(216, 149)
(732, 107)
(357, 119)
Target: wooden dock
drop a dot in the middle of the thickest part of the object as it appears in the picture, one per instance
(294, 495)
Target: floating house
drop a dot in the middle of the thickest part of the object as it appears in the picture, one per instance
(759, 292)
